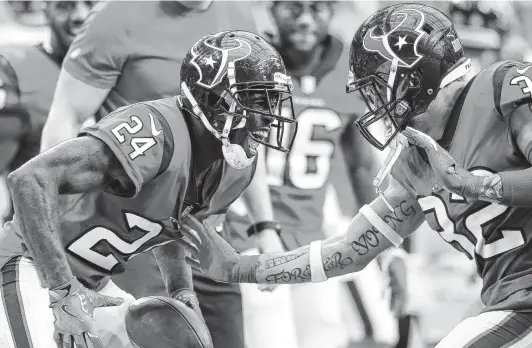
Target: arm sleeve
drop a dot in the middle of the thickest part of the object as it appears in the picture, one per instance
(98, 53)
(140, 140)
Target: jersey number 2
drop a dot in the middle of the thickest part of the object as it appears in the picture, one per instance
(511, 238)
(83, 247)
(304, 148)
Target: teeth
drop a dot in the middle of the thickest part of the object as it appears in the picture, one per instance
(260, 134)
(253, 144)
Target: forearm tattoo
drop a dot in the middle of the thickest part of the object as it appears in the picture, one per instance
(293, 268)
(491, 189)
(276, 261)
(295, 275)
(337, 261)
(371, 238)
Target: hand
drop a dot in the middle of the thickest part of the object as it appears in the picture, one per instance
(398, 287)
(73, 306)
(269, 242)
(449, 174)
(189, 298)
(210, 253)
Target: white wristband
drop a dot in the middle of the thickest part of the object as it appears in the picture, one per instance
(317, 273)
(381, 225)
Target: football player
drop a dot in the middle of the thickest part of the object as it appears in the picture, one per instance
(130, 52)
(35, 71)
(298, 183)
(460, 159)
(86, 206)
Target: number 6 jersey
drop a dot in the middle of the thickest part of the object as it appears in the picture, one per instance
(102, 229)
(497, 237)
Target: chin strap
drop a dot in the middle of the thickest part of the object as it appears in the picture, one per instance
(234, 154)
(397, 145)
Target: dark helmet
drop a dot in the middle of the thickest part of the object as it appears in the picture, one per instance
(400, 58)
(221, 78)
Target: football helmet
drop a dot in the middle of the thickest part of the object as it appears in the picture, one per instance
(400, 58)
(230, 76)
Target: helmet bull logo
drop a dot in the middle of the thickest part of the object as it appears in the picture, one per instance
(207, 57)
(400, 43)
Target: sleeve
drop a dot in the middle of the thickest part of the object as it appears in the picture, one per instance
(100, 49)
(140, 139)
(512, 87)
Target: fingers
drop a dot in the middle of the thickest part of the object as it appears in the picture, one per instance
(420, 139)
(187, 244)
(80, 341)
(192, 262)
(192, 234)
(58, 338)
(68, 341)
(106, 301)
(92, 341)
(192, 222)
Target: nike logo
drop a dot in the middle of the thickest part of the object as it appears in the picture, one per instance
(154, 130)
(64, 309)
(522, 71)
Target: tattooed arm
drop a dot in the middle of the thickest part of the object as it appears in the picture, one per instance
(347, 253)
(74, 166)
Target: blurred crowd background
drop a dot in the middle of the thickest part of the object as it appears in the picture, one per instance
(443, 283)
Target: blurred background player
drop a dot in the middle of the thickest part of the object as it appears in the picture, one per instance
(14, 122)
(309, 316)
(36, 70)
(129, 52)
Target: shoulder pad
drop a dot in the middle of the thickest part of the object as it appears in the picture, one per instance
(512, 86)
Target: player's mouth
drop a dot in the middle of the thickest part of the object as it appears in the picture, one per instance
(250, 144)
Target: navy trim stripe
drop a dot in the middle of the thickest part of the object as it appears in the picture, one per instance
(9, 278)
(508, 332)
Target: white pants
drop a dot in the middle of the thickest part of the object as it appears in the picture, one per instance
(27, 321)
(317, 315)
(497, 329)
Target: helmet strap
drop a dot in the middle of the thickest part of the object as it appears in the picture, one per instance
(391, 78)
(399, 143)
(198, 112)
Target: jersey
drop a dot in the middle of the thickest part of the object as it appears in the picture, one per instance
(298, 179)
(102, 230)
(135, 49)
(497, 237)
(37, 72)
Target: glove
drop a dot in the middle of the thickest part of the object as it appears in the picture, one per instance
(73, 306)
(188, 297)
(449, 174)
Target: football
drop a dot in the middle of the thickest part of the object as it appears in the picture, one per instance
(163, 322)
